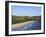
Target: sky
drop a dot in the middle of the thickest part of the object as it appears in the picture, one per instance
(25, 10)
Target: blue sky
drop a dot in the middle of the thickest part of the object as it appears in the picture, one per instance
(25, 10)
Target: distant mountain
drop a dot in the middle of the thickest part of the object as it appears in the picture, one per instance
(35, 17)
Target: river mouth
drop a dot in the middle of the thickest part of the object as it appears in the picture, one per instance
(34, 25)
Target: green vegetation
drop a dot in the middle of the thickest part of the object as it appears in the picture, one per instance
(20, 19)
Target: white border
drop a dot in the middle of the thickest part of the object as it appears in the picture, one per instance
(31, 31)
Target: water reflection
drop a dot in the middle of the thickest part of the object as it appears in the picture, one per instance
(34, 25)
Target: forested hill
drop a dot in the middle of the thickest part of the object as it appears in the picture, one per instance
(19, 19)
